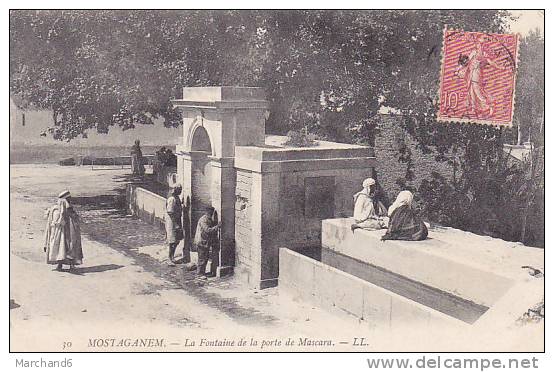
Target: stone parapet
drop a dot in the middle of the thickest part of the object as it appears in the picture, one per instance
(146, 205)
(476, 268)
(296, 165)
(333, 289)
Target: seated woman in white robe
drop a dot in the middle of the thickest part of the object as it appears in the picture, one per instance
(369, 214)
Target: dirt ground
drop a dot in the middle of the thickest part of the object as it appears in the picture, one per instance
(125, 291)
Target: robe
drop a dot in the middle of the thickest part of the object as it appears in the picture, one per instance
(173, 222)
(365, 213)
(62, 236)
(136, 160)
(404, 224)
(75, 251)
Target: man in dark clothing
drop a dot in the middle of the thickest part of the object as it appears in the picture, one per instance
(204, 239)
(137, 165)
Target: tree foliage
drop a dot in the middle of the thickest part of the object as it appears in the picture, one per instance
(529, 109)
(326, 73)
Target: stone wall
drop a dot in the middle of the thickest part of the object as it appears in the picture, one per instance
(294, 204)
(323, 285)
(146, 205)
(390, 138)
(243, 218)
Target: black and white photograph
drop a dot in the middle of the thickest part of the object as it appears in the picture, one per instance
(284, 180)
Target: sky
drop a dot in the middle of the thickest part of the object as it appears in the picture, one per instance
(37, 122)
(527, 21)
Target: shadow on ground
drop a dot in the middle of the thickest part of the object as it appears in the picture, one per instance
(104, 220)
(94, 269)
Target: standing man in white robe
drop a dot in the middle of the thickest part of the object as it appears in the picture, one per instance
(62, 236)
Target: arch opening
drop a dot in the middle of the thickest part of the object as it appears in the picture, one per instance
(201, 180)
(201, 141)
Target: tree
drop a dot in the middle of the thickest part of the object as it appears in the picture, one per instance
(325, 72)
(95, 69)
(529, 111)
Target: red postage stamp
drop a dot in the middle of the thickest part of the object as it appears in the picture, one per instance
(478, 76)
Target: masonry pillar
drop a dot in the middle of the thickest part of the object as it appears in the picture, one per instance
(215, 121)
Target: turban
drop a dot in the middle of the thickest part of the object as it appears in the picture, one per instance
(64, 194)
(368, 182)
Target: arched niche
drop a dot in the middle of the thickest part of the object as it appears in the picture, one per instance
(201, 174)
(200, 141)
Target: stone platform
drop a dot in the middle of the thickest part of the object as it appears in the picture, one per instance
(452, 279)
(477, 268)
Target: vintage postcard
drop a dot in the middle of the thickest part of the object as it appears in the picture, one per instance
(276, 181)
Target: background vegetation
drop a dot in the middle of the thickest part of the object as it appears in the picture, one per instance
(327, 73)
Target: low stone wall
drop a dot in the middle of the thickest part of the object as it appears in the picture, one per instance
(333, 289)
(146, 205)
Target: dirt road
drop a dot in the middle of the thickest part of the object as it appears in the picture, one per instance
(124, 290)
(126, 298)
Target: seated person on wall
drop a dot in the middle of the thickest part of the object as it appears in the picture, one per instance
(404, 224)
(369, 212)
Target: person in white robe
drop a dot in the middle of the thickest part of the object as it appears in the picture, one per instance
(62, 235)
(369, 214)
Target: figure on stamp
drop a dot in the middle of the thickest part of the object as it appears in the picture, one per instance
(404, 224)
(206, 241)
(471, 69)
(137, 165)
(62, 236)
(369, 211)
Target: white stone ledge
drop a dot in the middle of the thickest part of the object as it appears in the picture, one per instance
(326, 286)
(477, 268)
(304, 164)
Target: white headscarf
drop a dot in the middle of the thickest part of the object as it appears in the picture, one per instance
(367, 183)
(404, 198)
